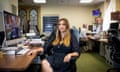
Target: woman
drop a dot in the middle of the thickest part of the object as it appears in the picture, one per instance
(64, 46)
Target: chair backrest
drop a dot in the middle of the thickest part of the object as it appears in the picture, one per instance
(115, 43)
(76, 33)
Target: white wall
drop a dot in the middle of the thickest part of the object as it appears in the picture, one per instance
(101, 7)
(7, 5)
(110, 6)
(77, 15)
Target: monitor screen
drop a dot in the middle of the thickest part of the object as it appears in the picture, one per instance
(12, 24)
(1, 38)
(114, 26)
(96, 12)
(90, 27)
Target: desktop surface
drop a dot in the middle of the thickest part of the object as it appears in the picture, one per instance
(22, 51)
(15, 62)
(15, 50)
(12, 62)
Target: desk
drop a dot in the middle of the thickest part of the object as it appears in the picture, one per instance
(103, 40)
(105, 50)
(16, 62)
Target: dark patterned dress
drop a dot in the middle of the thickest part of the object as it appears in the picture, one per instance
(56, 59)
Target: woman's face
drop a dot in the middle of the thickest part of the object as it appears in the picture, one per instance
(62, 26)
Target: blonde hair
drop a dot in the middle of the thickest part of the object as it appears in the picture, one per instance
(66, 40)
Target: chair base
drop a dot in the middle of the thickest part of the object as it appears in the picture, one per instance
(113, 70)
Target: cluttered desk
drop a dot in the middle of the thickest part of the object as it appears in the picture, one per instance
(14, 45)
(15, 59)
(15, 62)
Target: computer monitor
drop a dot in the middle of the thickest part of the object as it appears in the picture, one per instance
(90, 27)
(114, 25)
(114, 28)
(96, 12)
(11, 28)
(1, 38)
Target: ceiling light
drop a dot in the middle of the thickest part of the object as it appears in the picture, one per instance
(86, 1)
(39, 1)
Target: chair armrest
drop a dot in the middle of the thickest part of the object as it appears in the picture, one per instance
(73, 59)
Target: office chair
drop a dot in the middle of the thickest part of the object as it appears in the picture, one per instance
(115, 53)
(76, 33)
(83, 44)
(73, 59)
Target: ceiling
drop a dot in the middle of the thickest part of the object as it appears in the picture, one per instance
(59, 2)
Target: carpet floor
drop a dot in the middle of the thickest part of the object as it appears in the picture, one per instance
(91, 62)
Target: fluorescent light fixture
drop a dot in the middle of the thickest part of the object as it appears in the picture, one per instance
(39, 1)
(86, 1)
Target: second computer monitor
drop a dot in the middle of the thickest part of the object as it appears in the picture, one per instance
(114, 26)
(11, 28)
(90, 27)
(1, 38)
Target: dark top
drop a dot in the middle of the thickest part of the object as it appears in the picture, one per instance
(59, 52)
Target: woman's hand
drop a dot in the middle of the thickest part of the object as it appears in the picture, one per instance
(31, 52)
(35, 51)
(67, 58)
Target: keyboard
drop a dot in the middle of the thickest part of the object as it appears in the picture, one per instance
(22, 51)
(9, 48)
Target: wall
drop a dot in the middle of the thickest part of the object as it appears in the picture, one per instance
(110, 6)
(101, 7)
(118, 5)
(77, 15)
(6, 5)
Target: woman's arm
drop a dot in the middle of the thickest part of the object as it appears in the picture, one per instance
(39, 49)
(35, 51)
(75, 49)
(70, 55)
(74, 54)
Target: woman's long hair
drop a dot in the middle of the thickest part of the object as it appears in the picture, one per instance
(66, 40)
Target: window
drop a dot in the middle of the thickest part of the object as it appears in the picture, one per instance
(49, 23)
(33, 19)
(22, 14)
